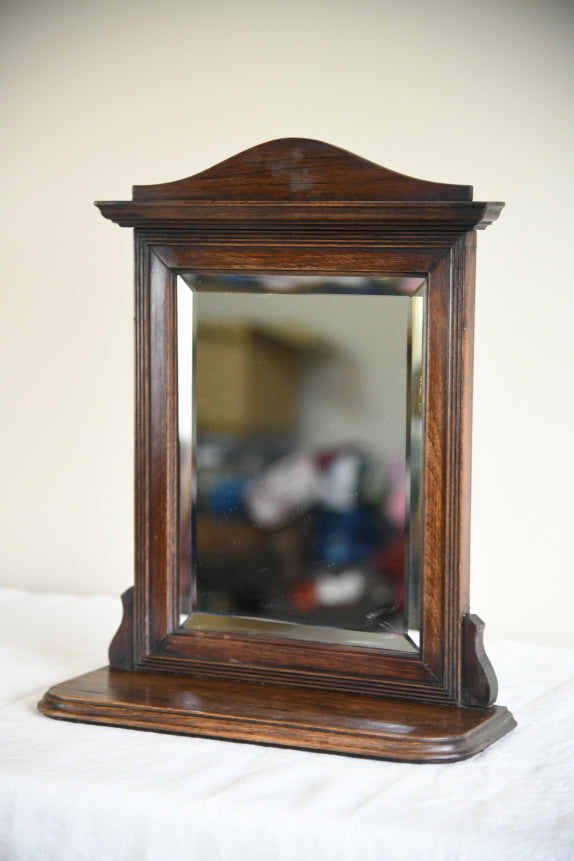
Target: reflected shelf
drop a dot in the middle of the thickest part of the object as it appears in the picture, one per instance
(311, 633)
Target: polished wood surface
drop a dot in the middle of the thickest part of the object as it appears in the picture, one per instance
(374, 222)
(479, 683)
(298, 169)
(301, 207)
(314, 720)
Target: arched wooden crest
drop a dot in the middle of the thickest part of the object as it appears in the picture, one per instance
(296, 169)
(292, 179)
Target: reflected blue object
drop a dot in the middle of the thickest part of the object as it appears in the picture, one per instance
(344, 537)
(227, 496)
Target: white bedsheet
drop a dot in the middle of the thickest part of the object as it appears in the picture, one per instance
(74, 791)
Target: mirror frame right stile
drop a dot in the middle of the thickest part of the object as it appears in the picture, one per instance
(302, 207)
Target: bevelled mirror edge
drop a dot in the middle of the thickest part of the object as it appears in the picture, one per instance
(335, 384)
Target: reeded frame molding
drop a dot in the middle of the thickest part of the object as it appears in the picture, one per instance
(160, 645)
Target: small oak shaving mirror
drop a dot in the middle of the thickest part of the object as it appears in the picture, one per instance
(304, 337)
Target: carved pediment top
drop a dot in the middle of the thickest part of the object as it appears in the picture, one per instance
(297, 169)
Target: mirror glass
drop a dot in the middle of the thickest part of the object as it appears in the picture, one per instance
(300, 409)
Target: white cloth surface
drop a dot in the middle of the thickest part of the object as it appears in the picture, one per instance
(81, 792)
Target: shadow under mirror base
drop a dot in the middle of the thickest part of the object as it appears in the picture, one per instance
(287, 717)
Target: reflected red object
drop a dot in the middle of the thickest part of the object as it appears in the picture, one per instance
(390, 563)
(303, 596)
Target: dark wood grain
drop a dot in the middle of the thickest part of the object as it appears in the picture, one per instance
(335, 723)
(260, 659)
(478, 682)
(294, 169)
(301, 221)
(235, 218)
(121, 651)
(303, 207)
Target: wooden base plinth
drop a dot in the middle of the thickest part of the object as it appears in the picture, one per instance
(308, 719)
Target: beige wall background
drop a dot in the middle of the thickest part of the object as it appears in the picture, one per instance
(99, 96)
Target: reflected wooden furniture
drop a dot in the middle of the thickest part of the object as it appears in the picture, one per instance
(214, 537)
(299, 206)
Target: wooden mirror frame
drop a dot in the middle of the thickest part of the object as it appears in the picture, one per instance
(296, 206)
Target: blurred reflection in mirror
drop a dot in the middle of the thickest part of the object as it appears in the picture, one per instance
(300, 422)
